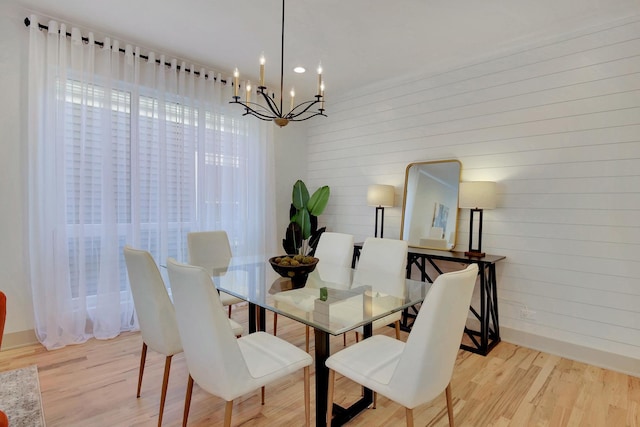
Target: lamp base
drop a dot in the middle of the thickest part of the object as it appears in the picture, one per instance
(474, 254)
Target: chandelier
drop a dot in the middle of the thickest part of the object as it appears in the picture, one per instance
(266, 107)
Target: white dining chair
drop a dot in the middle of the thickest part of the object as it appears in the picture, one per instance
(383, 266)
(156, 315)
(334, 249)
(211, 249)
(417, 371)
(221, 365)
(155, 312)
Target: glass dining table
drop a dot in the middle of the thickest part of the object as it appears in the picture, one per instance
(330, 302)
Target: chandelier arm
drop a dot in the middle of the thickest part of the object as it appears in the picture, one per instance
(308, 117)
(311, 103)
(250, 113)
(272, 105)
(253, 111)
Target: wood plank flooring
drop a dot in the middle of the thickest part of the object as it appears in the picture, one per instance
(94, 384)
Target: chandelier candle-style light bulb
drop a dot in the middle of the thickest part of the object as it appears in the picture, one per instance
(262, 61)
(236, 75)
(268, 106)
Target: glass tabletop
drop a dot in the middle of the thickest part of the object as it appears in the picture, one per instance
(334, 299)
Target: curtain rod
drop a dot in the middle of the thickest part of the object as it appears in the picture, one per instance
(27, 22)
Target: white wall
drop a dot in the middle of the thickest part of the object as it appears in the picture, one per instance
(557, 125)
(13, 265)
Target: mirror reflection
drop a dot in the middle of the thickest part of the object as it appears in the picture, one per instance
(430, 207)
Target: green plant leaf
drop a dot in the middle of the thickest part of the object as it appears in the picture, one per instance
(319, 200)
(304, 221)
(300, 195)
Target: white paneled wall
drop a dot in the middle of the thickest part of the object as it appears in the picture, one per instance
(557, 125)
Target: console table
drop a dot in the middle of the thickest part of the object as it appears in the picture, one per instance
(483, 340)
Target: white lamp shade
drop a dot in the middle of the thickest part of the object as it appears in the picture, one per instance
(477, 195)
(380, 195)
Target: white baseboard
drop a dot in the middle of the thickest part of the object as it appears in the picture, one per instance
(615, 362)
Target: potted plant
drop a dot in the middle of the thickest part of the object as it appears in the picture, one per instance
(302, 234)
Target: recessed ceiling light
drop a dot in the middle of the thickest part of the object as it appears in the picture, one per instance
(299, 70)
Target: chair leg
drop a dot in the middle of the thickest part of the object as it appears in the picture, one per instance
(306, 339)
(307, 398)
(409, 415)
(143, 358)
(375, 400)
(258, 325)
(344, 339)
(165, 383)
(262, 395)
(332, 377)
(187, 401)
(397, 329)
(229, 310)
(275, 324)
(228, 408)
(447, 392)
(357, 337)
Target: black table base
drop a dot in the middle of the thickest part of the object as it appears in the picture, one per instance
(341, 415)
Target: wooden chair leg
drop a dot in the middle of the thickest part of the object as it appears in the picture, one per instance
(143, 358)
(228, 408)
(307, 397)
(375, 400)
(447, 392)
(306, 339)
(262, 395)
(357, 337)
(409, 415)
(229, 310)
(332, 377)
(187, 401)
(397, 329)
(165, 383)
(258, 326)
(344, 339)
(275, 324)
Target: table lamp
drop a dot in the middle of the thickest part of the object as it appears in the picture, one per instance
(477, 196)
(380, 196)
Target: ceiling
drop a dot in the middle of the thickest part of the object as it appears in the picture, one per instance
(358, 42)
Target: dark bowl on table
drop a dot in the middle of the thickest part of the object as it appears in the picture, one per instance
(297, 273)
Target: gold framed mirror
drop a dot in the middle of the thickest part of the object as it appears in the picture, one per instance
(430, 204)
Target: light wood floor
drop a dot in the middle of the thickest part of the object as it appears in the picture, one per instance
(94, 384)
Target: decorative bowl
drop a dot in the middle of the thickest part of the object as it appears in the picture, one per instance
(297, 273)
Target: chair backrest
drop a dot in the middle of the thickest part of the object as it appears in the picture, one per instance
(154, 308)
(382, 265)
(335, 249)
(211, 350)
(209, 249)
(426, 364)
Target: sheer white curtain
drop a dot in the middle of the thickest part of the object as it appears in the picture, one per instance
(125, 151)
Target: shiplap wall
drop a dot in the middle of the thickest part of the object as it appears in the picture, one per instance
(557, 125)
